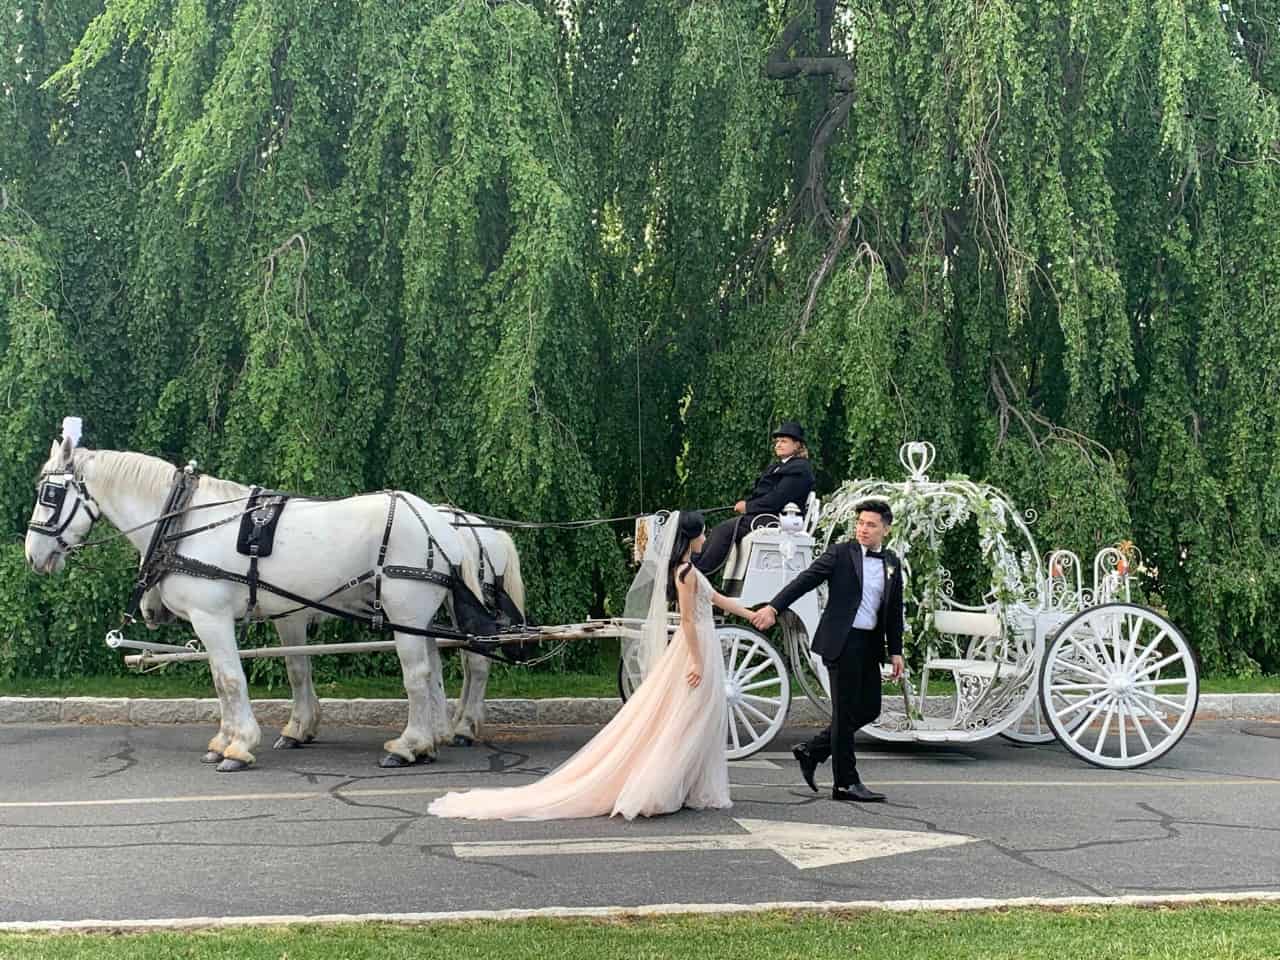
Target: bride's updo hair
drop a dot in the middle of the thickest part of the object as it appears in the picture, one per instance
(691, 525)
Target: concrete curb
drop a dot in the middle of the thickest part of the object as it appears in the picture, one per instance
(392, 713)
(959, 905)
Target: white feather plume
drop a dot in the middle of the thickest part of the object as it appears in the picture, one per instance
(71, 429)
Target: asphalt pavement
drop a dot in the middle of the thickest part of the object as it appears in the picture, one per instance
(122, 822)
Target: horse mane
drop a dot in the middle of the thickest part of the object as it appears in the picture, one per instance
(117, 470)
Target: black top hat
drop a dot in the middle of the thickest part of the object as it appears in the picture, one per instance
(789, 428)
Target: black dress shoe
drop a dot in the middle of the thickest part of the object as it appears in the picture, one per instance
(856, 793)
(808, 765)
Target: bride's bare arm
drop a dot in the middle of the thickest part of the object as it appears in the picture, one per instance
(731, 605)
(688, 625)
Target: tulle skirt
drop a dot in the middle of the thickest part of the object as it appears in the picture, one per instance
(665, 749)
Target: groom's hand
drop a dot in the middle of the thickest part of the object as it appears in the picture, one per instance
(897, 667)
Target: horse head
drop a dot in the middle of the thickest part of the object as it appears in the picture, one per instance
(64, 511)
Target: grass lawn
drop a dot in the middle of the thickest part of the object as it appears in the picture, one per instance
(505, 682)
(1094, 933)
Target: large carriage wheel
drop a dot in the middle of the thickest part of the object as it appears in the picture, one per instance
(1130, 674)
(1033, 726)
(796, 638)
(757, 688)
(629, 676)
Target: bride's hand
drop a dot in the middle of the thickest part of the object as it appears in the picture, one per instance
(694, 673)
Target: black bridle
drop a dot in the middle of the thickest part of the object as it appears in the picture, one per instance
(52, 493)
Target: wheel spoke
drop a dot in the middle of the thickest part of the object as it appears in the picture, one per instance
(1165, 682)
(754, 671)
(1155, 667)
(1059, 687)
(1124, 737)
(1092, 657)
(733, 732)
(762, 717)
(1102, 705)
(1102, 734)
(773, 702)
(745, 722)
(761, 684)
(1142, 733)
(1156, 719)
(1146, 651)
(1164, 701)
(1080, 704)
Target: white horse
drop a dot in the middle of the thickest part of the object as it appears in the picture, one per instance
(322, 549)
(493, 553)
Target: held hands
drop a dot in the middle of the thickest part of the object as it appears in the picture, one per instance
(693, 673)
(897, 666)
(740, 507)
(764, 618)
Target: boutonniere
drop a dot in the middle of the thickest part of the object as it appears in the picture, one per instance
(890, 568)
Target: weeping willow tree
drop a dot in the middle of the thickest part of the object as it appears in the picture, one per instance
(572, 259)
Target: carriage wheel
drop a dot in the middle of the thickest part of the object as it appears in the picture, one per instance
(1130, 674)
(796, 639)
(629, 675)
(1033, 727)
(757, 688)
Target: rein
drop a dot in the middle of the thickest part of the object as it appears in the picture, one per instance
(499, 522)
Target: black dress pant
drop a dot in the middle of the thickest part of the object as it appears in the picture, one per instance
(855, 702)
(720, 539)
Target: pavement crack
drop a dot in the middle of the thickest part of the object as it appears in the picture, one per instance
(501, 759)
(127, 762)
(444, 851)
(1019, 856)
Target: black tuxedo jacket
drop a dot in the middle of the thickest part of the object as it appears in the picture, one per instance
(780, 484)
(841, 568)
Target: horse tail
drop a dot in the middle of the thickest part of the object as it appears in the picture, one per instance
(512, 580)
(470, 570)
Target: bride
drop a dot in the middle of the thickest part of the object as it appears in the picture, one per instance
(665, 748)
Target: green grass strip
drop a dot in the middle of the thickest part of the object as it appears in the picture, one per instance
(1235, 932)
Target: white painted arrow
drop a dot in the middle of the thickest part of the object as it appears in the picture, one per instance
(805, 845)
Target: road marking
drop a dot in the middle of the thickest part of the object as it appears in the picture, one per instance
(361, 793)
(967, 904)
(805, 845)
(753, 763)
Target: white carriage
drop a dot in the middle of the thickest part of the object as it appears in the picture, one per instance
(1040, 656)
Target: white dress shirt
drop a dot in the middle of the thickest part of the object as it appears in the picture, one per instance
(872, 591)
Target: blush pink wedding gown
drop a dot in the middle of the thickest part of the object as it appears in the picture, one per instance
(665, 749)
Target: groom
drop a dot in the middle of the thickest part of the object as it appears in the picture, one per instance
(862, 617)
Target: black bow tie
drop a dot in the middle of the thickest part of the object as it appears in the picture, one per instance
(875, 554)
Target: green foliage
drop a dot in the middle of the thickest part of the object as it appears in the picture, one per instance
(551, 260)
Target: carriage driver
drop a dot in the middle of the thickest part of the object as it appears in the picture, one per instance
(789, 479)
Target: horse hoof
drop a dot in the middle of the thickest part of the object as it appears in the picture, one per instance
(231, 765)
(462, 741)
(287, 743)
(211, 757)
(392, 760)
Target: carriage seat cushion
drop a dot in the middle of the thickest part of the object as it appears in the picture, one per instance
(258, 522)
(967, 623)
(735, 566)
